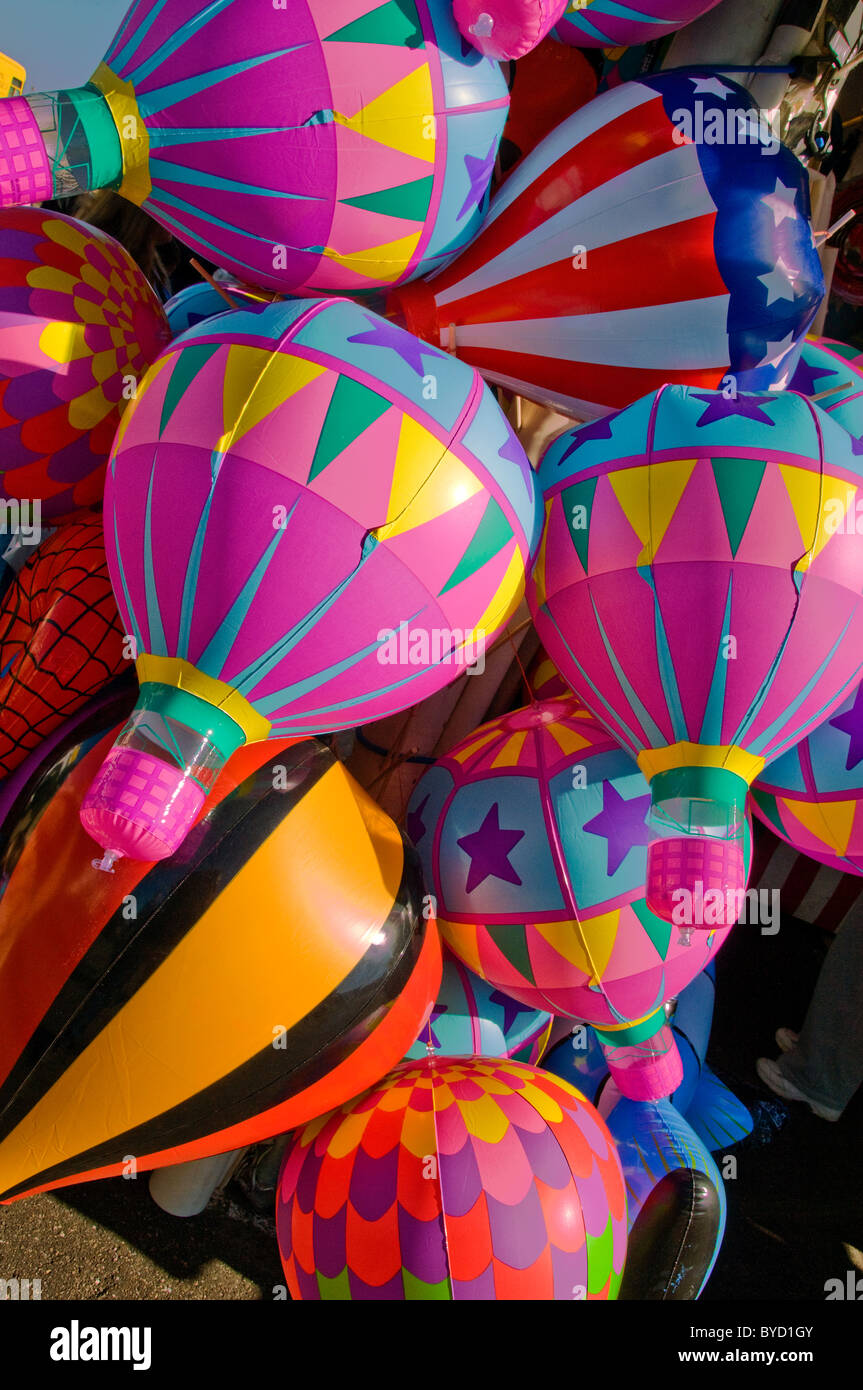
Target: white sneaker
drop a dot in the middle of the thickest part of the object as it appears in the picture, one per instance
(786, 1038)
(771, 1076)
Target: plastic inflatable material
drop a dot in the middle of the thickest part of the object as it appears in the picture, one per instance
(548, 85)
(533, 837)
(313, 970)
(61, 638)
(357, 520)
(627, 251)
(79, 324)
(456, 1178)
(608, 24)
(505, 29)
(692, 589)
(315, 145)
(470, 1018)
(196, 303)
(812, 797)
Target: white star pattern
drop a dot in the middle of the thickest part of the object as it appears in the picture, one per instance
(781, 203)
(776, 352)
(778, 283)
(710, 86)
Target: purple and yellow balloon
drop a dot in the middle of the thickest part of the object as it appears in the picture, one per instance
(313, 520)
(693, 588)
(331, 145)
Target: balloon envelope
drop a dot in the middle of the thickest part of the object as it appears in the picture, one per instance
(79, 324)
(696, 589)
(314, 145)
(626, 251)
(61, 639)
(279, 964)
(355, 523)
(456, 1178)
(533, 839)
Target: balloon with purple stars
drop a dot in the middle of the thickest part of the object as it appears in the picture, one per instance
(470, 1018)
(812, 797)
(533, 837)
(831, 373)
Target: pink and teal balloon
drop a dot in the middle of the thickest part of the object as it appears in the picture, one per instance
(607, 24)
(456, 1178)
(313, 145)
(505, 29)
(832, 374)
(79, 324)
(695, 590)
(533, 836)
(313, 521)
(812, 797)
(470, 1017)
(627, 251)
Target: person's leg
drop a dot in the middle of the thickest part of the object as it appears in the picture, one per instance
(827, 1062)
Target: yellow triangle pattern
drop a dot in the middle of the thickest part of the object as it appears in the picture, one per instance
(251, 392)
(586, 945)
(567, 739)
(476, 745)
(830, 821)
(649, 496)
(143, 387)
(506, 598)
(384, 263)
(428, 481)
(511, 750)
(400, 117)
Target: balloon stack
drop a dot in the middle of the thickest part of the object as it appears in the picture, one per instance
(295, 502)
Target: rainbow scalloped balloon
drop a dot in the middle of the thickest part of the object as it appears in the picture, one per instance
(455, 1178)
(79, 324)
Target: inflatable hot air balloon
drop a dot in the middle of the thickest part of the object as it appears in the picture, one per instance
(628, 250)
(79, 324)
(831, 373)
(309, 146)
(608, 24)
(546, 682)
(506, 28)
(470, 1018)
(314, 521)
(61, 639)
(812, 797)
(277, 966)
(533, 835)
(456, 1178)
(695, 589)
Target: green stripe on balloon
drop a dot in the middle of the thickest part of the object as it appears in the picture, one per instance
(711, 723)
(395, 23)
(600, 1254)
(334, 1290)
(419, 1291)
(489, 538)
(738, 482)
(187, 365)
(580, 495)
(408, 200)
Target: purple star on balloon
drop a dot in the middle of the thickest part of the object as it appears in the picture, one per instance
(851, 723)
(720, 408)
(511, 1008)
(622, 823)
(489, 849)
(398, 340)
(416, 827)
(513, 452)
(428, 1034)
(805, 377)
(597, 429)
(479, 172)
(856, 444)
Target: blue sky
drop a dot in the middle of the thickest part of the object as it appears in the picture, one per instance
(59, 42)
